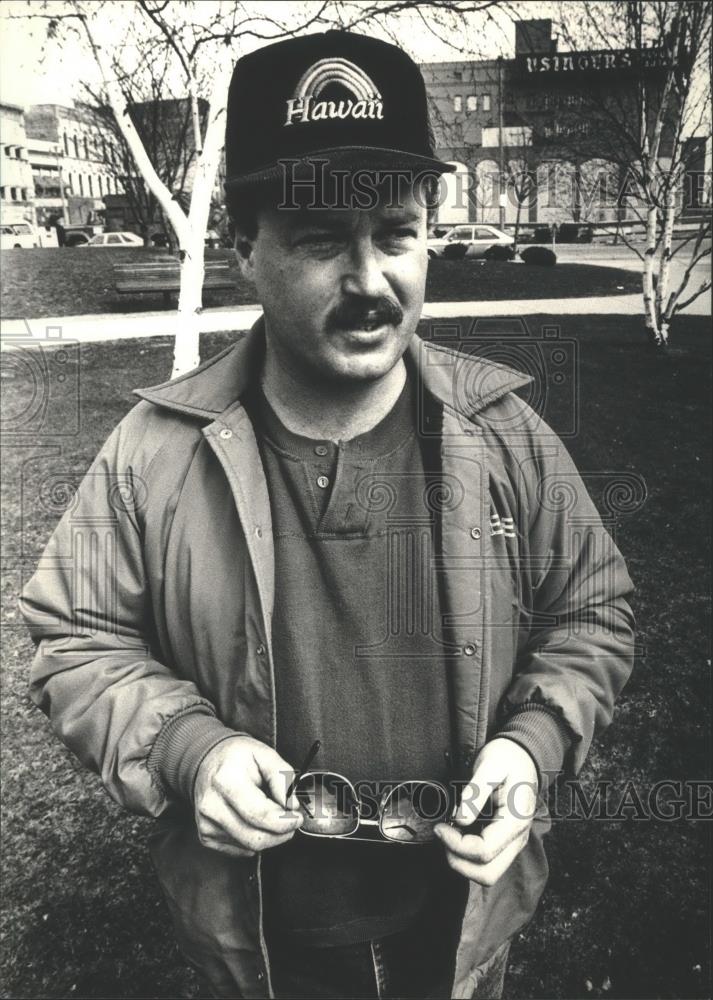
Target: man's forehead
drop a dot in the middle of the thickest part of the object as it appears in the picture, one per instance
(305, 216)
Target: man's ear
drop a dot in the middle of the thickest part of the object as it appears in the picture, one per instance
(244, 251)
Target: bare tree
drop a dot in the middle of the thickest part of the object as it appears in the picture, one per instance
(643, 130)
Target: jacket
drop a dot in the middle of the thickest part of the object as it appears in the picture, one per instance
(151, 610)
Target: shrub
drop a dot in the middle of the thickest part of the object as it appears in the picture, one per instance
(499, 252)
(540, 256)
(455, 251)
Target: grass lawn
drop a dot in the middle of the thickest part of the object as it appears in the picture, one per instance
(78, 281)
(626, 911)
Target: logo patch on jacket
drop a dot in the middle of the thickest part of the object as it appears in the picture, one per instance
(502, 526)
(305, 106)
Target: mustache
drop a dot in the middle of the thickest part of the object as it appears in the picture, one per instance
(355, 312)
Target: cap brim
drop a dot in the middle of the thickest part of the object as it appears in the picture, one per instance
(346, 157)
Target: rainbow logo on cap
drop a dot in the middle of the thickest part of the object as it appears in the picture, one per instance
(304, 105)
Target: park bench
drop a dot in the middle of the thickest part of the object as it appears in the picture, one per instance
(165, 276)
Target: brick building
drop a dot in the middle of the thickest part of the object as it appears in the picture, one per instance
(534, 137)
(74, 163)
(16, 186)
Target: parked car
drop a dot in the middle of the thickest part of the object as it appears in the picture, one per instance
(477, 239)
(17, 235)
(114, 240)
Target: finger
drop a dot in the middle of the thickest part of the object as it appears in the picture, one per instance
(484, 847)
(505, 827)
(277, 775)
(487, 874)
(473, 798)
(223, 847)
(464, 845)
(225, 827)
(255, 808)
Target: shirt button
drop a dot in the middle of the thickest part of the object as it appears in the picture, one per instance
(261, 976)
(258, 532)
(260, 650)
(321, 449)
(322, 482)
(226, 433)
(475, 533)
(469, 648)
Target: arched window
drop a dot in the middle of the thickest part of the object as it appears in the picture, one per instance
(471, 103)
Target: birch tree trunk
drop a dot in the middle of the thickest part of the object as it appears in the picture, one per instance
(662, 316)
(186, 351)
(648, 275)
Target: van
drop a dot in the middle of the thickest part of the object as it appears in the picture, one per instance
(15, 235)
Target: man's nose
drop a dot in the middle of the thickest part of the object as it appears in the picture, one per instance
(364, 275)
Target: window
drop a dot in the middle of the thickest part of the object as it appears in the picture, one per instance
(2, 192)
(458, 103)
(86, 148)
(457, 74)
(99, 185)
(81, 184)
(91, 186)
(13, 194)
(471, 103)
(486, 102)
(66, 144)
(76, 148)
(461, 233)
(483, 233)
(114, 238)
(18, 152)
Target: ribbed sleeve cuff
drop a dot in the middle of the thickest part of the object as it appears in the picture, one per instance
(181, 746)
(543, 735)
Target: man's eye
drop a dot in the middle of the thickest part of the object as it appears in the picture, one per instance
(317, 239)
(401, 234)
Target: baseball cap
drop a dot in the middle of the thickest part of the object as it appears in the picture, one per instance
(336, 96)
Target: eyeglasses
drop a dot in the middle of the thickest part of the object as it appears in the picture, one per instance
(407, 812)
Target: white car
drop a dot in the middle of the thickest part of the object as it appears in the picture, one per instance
(16, 235)
(477, 238)
(114, 240)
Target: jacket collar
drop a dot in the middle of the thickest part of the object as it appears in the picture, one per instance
(465, 383)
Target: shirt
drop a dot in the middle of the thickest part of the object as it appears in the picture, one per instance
(360, 660)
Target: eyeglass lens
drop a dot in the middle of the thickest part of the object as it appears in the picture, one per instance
(328, 803)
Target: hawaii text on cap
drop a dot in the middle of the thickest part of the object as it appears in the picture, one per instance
(344, 98)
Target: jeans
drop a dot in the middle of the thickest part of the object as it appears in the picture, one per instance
(410, 964)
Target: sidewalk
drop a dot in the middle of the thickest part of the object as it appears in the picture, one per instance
(125, 326)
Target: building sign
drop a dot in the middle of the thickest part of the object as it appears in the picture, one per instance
(601, 61)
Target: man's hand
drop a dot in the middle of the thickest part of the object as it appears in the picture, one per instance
(505, 769)
(240, 798)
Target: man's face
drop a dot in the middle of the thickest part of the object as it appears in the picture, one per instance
(342, 290)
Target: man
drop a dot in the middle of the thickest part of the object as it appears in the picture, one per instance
(334, 532)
